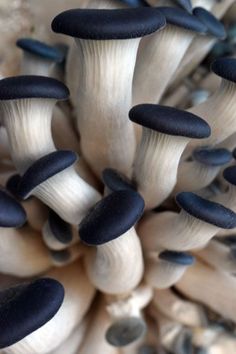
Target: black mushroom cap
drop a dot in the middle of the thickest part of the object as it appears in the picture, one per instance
(61, 257)
(60, 229)
(41, 49)
(206, 210)
(229, 175)
(180, 258)
(225, 68)
(111, 217)
(212, 157)
(135, 3)
(125, 331)
(27, 307)
(12, 213)
(214, 26)
(181, 18)
(169, 120)
(44, 168)
(116, 181)
(109, 24)
(12, 184)
(32, 86)
(185, 4)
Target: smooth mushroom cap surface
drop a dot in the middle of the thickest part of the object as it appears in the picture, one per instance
(12, 213)
(60, 229)
(116, 180)
(27, 307)
(181, 258)
(212, 157)
(12, 184)
(185, 4)
(214, 26)
(229, 175)
(225, 68)
(111, 217)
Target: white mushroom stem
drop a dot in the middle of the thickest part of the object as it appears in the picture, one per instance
(176, 232)
(23, 252)
(224, 343)
(37, 213)
(158, 58)
(106, 73)
(221, 7)
(205, 336)
(212, 288)
(219, 256)
(53, 243)
(116, 267)
(4, 144)
(206, 4)
(159, 153)
(36, 65)
(228, 197)
(78, 296)
(182, 311)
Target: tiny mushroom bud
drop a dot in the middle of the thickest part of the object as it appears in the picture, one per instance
(160, 54)
(26, 307)
(166, 133)
(39, 58)
(110, 227)
(107, 43)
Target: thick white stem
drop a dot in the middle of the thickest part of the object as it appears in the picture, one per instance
(34, 65)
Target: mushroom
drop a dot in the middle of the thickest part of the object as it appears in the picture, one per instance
(115, 264)
(181, 310)
(53, 180)
(206, 4)
(161, 53)
(38, 58)
(165, 271)
(202, 170)
(228, 198)
(198, 221)
(79, 294)
(166, 133)
(67, 256)
(107, 43)
(27, 307)
(115, 181)
(210, 287)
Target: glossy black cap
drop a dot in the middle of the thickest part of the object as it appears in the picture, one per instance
(169, 120)
(40, 49)
(27, 307)
(12, 184)
(206, 210)
(116, 181)
(60, 229)
(135, 3)
(108, 24)
(125, 331)
(225, 68)
(181, 18)
(229, 175)
(30, 86)
(212, 157)
(180, 258)
(44, 168)
(185, 4)
(12, 213)
(111, 217)
(214, 27)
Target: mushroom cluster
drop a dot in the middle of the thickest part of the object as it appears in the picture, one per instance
(118, 181)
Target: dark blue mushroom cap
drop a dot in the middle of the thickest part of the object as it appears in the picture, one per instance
(230, 175)
(108, 24)
(27, 307)
(181, 18)
(214, 26)
(169, 120)
(212, 157)
(111, 217)
(185, 4)
(234, 153)
(41, 49)
(61, 230)
(206, 210)
(225, 68)
(116, 181)
(30, 86)
(12, 213)
(135, 3)
(44, 168)
(60, 257)
(12, 184)
(181, 258)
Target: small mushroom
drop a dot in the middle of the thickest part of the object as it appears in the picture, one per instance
(115, 263)
(166, 133)
(107, 43)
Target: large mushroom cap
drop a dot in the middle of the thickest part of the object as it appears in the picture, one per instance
(41, 49)
(185, 4)
(214, 26)
(60, 229)
(32, 86)
(180, 258)
(27, 307)
(230, 175)
(135, 3)
(116, 181)
(109, 24)
(225, 68)
(206, 210)
(44, 168)
(212, 157)
(181, 18)
(111, 217)
(12, 213)
(169, 120)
